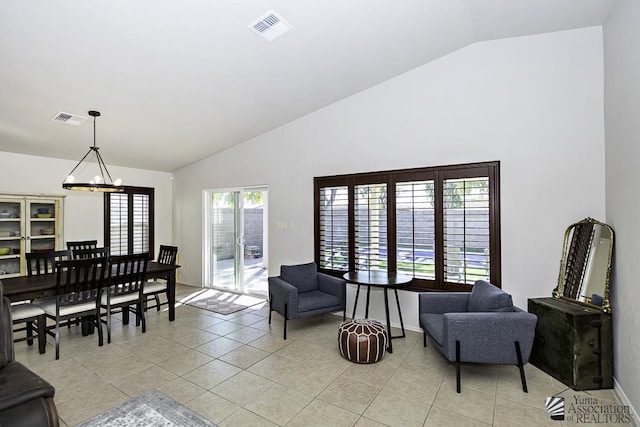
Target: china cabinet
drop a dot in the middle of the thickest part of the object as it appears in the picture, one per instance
(28, 223)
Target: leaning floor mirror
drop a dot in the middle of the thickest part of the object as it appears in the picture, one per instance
(585, 266)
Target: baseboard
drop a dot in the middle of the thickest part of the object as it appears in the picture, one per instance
(624, 400)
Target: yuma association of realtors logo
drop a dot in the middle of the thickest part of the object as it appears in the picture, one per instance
(586, 410)
(554, 408)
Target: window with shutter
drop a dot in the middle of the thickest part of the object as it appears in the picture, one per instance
(129, 221)
(440, 225)
(334, 228)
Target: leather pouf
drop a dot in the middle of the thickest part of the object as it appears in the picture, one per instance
(362, 340)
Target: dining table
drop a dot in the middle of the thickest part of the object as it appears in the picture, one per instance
(25, 288)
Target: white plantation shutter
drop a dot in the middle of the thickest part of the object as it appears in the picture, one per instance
(415, 229)
(466, 229)
(334, 228)
(371, 227)
(119, 224)
(140, 223)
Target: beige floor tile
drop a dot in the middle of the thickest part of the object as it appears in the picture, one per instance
(367, 422)
(247, 319)
(243, 388)
(145, 380)
(212, 407)
(469, 402)
(308, 380)
(244, 356)
(274, 367)
(153, 347)
(195, 338)
(279, 404)
(300, 350)
(269, 342)
(330, 361)
(181, 390)
(441, 418)
(478, 377)
(91, 404)
(185, 362)
(422, 386)
(114, 368)
(219, 346)
(511, 388)
(246, 334)
(213, 373)
(509, 413)
(224, 328)
(386, 408)
(76, 386)
(376, 374)
(244, 418)
(320, 414)
(354, 396)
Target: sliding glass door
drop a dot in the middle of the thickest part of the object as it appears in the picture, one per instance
(235, 244)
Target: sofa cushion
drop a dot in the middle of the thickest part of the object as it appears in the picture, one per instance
(303, 276)
(434, 325)
(314, 300)
(487, 297)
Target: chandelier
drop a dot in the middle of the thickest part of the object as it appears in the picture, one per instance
(102, 181)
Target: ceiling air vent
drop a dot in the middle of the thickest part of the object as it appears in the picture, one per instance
(68, 118)
(270, 26)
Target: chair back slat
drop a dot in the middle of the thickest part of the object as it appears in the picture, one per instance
(167, 254)
(127, 273)
(81, 245)
(80, 280)
(91, 253)
(44, 262)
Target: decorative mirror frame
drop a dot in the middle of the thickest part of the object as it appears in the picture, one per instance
(559, 289)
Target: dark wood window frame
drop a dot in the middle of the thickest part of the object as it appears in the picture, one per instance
(130, 192)
(438, 174)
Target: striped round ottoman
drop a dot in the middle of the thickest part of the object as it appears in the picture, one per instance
(362, 340)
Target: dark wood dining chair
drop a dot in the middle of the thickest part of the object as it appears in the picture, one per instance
(125, 284)
(28, 313)
(79, 283)
(44, 262)
(81, 245)
(158, 285)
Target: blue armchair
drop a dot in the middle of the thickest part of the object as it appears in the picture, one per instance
(481, 326)
(300, 291)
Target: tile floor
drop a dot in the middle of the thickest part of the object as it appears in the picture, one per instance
(236, 370)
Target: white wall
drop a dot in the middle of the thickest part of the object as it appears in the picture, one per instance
(83, 211)
(622, 105)
(534, 103)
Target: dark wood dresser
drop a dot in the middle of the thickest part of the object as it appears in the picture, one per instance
(573, 343)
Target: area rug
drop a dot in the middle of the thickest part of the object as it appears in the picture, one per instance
(149, 409)
(220, 302)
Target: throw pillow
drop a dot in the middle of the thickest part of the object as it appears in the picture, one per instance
(303, 276)
(487, 297)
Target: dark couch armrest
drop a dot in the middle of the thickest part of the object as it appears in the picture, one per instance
(442, 302)
(6, 331)
(281, 293)
(22, 385)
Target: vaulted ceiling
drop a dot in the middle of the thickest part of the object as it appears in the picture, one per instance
(179, 80)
